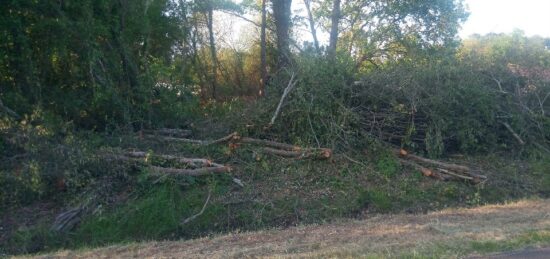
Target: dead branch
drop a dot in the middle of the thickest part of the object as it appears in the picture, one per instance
(516, 136)
(180, 133)
(270, 143)
(67, 220)
(9, 111)
(443, 171)
(196, 141)
(287, 90)
(448, 166)
(425, 171)
(189, 172)
(187, 220)
(192, 162)
(322, 153)
(456, 175)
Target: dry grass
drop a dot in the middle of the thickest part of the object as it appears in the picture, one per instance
(382, 235)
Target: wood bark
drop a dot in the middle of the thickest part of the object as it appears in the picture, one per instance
(307, 3)
(210, 24)
(281, 15)
(335, 17)
(263, 50)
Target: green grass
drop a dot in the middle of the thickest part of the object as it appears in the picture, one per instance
(278, 192)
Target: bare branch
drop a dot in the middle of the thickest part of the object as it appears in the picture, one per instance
(516, 136)
(290, 86)
(187, 220)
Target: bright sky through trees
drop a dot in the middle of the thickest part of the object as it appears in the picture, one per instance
(531, 16)
(486, 16)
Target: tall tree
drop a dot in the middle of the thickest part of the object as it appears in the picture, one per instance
(263, 47)
(281, 15)
(210, 25)
(335, 21)
(307, 3)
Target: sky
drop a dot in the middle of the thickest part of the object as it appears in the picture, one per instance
(531, 16)
(486, 16)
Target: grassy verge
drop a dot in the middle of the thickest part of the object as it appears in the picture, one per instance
(450, 233)
(278, 192)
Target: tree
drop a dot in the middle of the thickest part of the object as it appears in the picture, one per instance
(210, 25)
(263, 55)
(378, 30)
(281, 15)
(307, 3)
(335, 18)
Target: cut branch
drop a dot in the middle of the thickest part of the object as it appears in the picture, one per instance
(443, 171)
(453, 167)
(196, 141)
(270, 143)
(67, 220)
(192, 162)
(187, 220)
(322, 153)
(287, 90)
(190, 172)
(516, 136)
(181, 133)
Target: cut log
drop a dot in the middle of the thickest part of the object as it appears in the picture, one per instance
(425, 171)
(196, 141)
(453, 167)
(157, 170)
(179, 133)
(192, 162)
(322, 153)
(443, 171)
(269, 143)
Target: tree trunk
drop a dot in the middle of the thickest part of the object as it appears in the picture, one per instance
(210, 22)
(263, 57)
(334, 28)
(281, 14)
(312, 25)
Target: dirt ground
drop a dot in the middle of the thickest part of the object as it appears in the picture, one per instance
(381, 235)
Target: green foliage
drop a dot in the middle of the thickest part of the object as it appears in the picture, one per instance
(93, 62)
(380, 201)
(154, 216)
